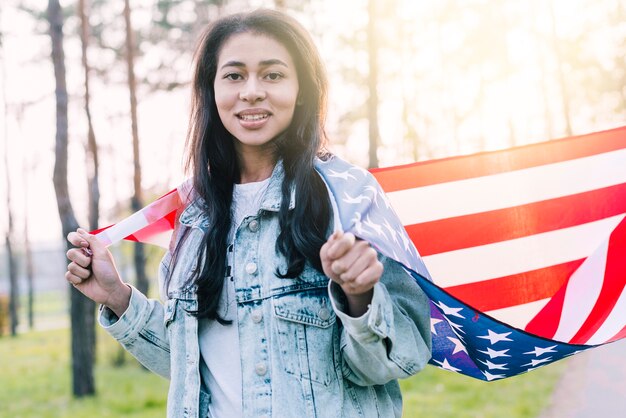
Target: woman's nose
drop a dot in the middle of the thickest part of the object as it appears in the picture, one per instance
(252, 91)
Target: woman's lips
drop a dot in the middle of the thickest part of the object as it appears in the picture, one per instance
(253, 119)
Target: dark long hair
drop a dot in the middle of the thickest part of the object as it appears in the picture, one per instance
(213, 162)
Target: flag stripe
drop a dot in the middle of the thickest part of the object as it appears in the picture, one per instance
(581, 294)
(519, 255)
(505, 224)
(613, 286)
(509, 189)
(619, 335)
(518, 315)
(518, 289)
(488, 163)
(165, 204)
(613, 324)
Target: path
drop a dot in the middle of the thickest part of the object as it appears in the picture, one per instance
(594, 385)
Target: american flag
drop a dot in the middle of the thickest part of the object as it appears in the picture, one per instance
(523, 251)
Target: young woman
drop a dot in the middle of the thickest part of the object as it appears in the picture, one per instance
(267, 311)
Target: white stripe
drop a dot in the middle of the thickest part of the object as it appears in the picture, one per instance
(518, 316)
(161, 239)
(126, 227)
(613, 324)
(519, 255)
(581, 294)
(514, 188)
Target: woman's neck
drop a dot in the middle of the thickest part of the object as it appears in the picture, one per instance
(256, 166)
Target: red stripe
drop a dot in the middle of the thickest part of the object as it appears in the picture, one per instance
(619, 335)
(487, 163)
(516, 289)
(612, 287)
(546, 322)
(505, 224)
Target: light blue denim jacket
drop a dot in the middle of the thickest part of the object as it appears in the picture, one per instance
(301, 355)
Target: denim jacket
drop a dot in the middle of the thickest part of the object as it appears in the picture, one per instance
(301, 354)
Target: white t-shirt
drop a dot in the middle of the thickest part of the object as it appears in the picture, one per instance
(219, 344)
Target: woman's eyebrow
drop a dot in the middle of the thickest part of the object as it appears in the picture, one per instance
(264, 63)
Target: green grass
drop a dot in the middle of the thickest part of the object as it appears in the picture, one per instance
(442, 394)
(35, 382)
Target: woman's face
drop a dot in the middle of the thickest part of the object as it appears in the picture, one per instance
(256, 89)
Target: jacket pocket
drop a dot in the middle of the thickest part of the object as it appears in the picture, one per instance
(307, 335)
(169, 313)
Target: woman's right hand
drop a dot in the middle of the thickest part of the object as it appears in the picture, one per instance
(95, 275)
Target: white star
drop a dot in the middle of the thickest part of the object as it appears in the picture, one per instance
(495, 337)
(538, 351)
(491, 377)
(449, 311)
(405, 240)
(395, 256)
(458, 345)
(492, 366)
(374, 192)
(376, 227)
(392, 232)
(355, 200)
(342, 175)
(575, 352)
(360, 170)
(494, 353)
(534, 363)
(433, 322)
(383, 197)
(358, 226)
(456, 328)
(446, 366)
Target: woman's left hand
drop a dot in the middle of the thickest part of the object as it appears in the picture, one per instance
(353, 264)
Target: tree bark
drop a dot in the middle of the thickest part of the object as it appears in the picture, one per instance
(372, 103)
(13, 283)
(28, 259)
(137, 200)
(82, 309)
(92, 146)
(560, 72)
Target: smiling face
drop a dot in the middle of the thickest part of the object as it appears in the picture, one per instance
(256, 90)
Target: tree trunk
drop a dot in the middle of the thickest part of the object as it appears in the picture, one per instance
(136, 201)
(82, 309)
(560, 71)
(92, 147)
(541, 62)
(372, 103)
(13, 283)
(28, 258)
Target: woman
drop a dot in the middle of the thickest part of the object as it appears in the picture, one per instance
(251, 324)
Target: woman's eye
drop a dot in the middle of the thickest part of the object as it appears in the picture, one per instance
(274, 76)
(233, 76)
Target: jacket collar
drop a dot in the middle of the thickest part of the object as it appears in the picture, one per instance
(194, 216)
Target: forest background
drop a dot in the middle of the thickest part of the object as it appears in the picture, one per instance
(410, 81)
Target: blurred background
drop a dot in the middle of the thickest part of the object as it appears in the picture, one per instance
(100, 103)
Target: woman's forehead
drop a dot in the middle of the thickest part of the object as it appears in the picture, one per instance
(250, 48)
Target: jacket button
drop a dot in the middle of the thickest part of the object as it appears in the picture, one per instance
(257, 316)
(260, 369)
(324, 314)
(253, 225)
(251, 268)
